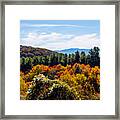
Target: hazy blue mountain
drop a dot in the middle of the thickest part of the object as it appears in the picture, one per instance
(72, 50)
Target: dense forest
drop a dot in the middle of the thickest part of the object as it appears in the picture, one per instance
(49, 75)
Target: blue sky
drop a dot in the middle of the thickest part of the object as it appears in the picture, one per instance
(60, 34)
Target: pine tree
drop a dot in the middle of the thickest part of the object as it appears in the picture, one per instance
(65, 59)
(82, 58)
(94, 57)
(69, 59)
(77, 57)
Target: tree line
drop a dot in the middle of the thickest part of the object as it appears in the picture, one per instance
(92, 58)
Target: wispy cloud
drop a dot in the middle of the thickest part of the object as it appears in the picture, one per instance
(55, 41)
(55, 25)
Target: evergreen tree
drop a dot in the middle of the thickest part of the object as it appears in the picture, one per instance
(88, 59)
(43, 60)
(59, 58)
(82, 58)
(46, 60)
(35, 60)
(65, 59)
(94, 57)
(77, 57)
(40, 59)
(72, 58)
(69, 59)
(52, 59)
(22, 64)
(56, 59)
(29, 63)
(62, 59)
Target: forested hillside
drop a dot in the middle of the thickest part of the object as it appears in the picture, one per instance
(28, 51)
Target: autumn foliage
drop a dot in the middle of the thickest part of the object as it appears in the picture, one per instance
(71, 82)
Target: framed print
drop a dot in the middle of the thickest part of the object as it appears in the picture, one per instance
(60, 59)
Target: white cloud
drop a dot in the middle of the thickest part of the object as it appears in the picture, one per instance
(55, 41)
(85, 41)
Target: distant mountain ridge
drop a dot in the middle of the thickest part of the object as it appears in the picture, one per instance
(28, 51)
(73, 50)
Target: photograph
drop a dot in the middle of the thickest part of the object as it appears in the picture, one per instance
(59, 60)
